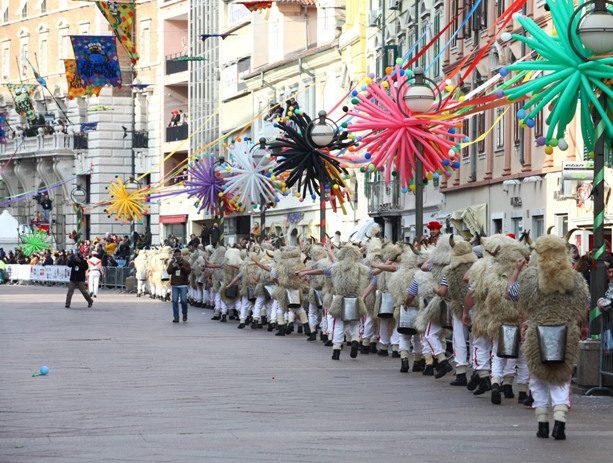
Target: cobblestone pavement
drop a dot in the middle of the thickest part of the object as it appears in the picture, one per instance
(126, 384)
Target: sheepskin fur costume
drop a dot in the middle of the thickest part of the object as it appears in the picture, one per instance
(397, 282)
(217, 258)
(462, 259)
(288, 261)
(231, 261)
(544, 305)
(250, 275)
(264, 277)
(320, 261)
(350, 278)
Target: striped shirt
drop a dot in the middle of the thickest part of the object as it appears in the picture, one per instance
(413, 288)
(513, 291)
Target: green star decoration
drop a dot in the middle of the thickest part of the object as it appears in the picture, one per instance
(563, 79)
(35, 241)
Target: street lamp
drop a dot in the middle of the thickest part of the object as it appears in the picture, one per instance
(261, 146)
(419, 98)
(321, 133)
(595, 31)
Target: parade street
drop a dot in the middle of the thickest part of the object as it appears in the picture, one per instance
(126, 384)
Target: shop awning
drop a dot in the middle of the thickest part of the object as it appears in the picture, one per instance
(180, 218)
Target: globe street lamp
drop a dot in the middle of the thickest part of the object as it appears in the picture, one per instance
(321, 133)
(595, 31)
(419, 98)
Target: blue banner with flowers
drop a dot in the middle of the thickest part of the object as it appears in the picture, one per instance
(96, 57)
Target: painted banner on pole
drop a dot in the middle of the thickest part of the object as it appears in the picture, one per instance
(121, 18)
(96, 57)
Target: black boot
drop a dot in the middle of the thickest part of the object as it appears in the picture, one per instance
(559, 430)
(365, 349)
(289, 328)
(336, 354)
(443, 368)
(429, 370)
(254, 325)
(507, 390)
(373, 347)
(312, 337)
(404, 366)
(383, 353)
(259, 326)
(521, 397)
(354, 349)
(395, 354)
(271, 326)
(307, 330)
(484, 386)
(460, 380)
(474, 382)
(543, 431)
(323, 338)
(241, 326)
(328, 343)
(529, 400)
(224, 319)
(263, 319)
(496, 398)
(216, 317)
(281, 330)
(418, 365)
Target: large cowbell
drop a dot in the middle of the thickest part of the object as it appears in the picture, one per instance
(293, 299)
(349, 310)
(508, 342)
(552, 342)
(387, 305)
(406, 320)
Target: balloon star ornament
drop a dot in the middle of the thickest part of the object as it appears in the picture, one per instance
(562, 78)
(394, 136)
(205, 183)
(312, 168)
(35, 241)
(125, 205)
(249, 178)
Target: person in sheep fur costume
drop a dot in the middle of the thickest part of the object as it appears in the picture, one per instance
(247, 279)
(462, 258)
(350, 278)
(263, 303)
(216, 265)
(141, 264)
(425, 284)
(288, 262)
(550, 293)
(370, 336)
(318, 260)
(404, 270)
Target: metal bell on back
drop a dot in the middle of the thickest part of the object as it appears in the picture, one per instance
(349, 311)
(270, 290)
(318, 297)
(251, 294)
(406, 320)
(552, 342)
(508, 341)
(387, 305)
(446, 316)
(293, 298)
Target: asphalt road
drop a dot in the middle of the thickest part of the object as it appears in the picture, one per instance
(127, 385)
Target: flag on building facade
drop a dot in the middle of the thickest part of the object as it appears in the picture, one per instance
(76, 87)
(22, 95)
(96, 57)
(121, 18)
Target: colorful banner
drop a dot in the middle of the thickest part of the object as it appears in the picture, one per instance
(96, 57)
(76, 87)
(121, 18)
(89, 126)
(22, 94)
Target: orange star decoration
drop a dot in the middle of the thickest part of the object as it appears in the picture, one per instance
(125, 205)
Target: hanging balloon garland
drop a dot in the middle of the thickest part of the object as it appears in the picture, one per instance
(314, 169)
(205, 183)
(394, 135)
(33, 242)
(126, 205)
(567, 74)
(249, 174)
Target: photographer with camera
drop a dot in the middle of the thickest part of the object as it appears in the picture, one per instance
(78, 267)
(179, 270)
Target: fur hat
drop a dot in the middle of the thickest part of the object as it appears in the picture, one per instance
(391, 251)
(374, 246)
(233, 256)
(349, 252)
(317, 252)
(290, 252)
(554, 270)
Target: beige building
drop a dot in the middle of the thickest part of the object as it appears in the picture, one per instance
(39, 31)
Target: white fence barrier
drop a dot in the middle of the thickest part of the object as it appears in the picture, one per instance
(57, 273)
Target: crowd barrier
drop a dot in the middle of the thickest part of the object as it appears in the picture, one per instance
(113, 278)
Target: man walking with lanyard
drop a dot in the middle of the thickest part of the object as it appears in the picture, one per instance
(179, 270)
(77, 266)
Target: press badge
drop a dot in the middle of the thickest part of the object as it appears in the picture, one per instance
(178, 273)
(76, 269)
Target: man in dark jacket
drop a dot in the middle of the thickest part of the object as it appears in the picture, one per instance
(214, 234)
(205, 235)
(78, 266)
(179, 270)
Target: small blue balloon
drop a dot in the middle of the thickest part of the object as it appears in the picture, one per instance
(521, 114)
(446, 162)
(530, 123)
(455, 164)
(354, 93)
(313, 197)
(451, 130)
(504, 72)
(499, 93)
(364, 87)
(367, 156)
(44, 370)
(402, 72)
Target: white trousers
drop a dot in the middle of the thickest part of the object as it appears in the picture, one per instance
(260, 303)
(92, 282)
(141, 286)
(368, 335)
(410, 341)
(326, 322)
(246, 306)
(432, 339)
(216, 299)
(225, 306)
(314, 315)
(482, 348)
(460, 336)
(505, 368)
(341, 328)
(384, 337)
(395, 337)
(546, 394)
(274, 309)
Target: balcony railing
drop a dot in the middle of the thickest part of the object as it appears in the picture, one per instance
(141, 139)
(177, 132)
(174, 65)
(40, 145)
(382, 198)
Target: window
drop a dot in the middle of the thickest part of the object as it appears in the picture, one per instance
(24, 10)
(437, 45)
(43, 50)
(538, 225)
(562, 224)
(466, 132)
(481, 129)
(6, 60)
(518, 225)
(5, 15)
(468, 27)
(499, 142)
(145, 42)
(23, 58)
(43, 6)
(497, 226)
(455, 7)
(500, 6)
(84, 28)
(538, 124)
(63, 45)
(481, 16)
(516, 128)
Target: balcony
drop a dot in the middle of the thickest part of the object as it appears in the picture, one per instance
(177, 132)
(383, 199)
(175, 65)
(44, 145)
(140, 139)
